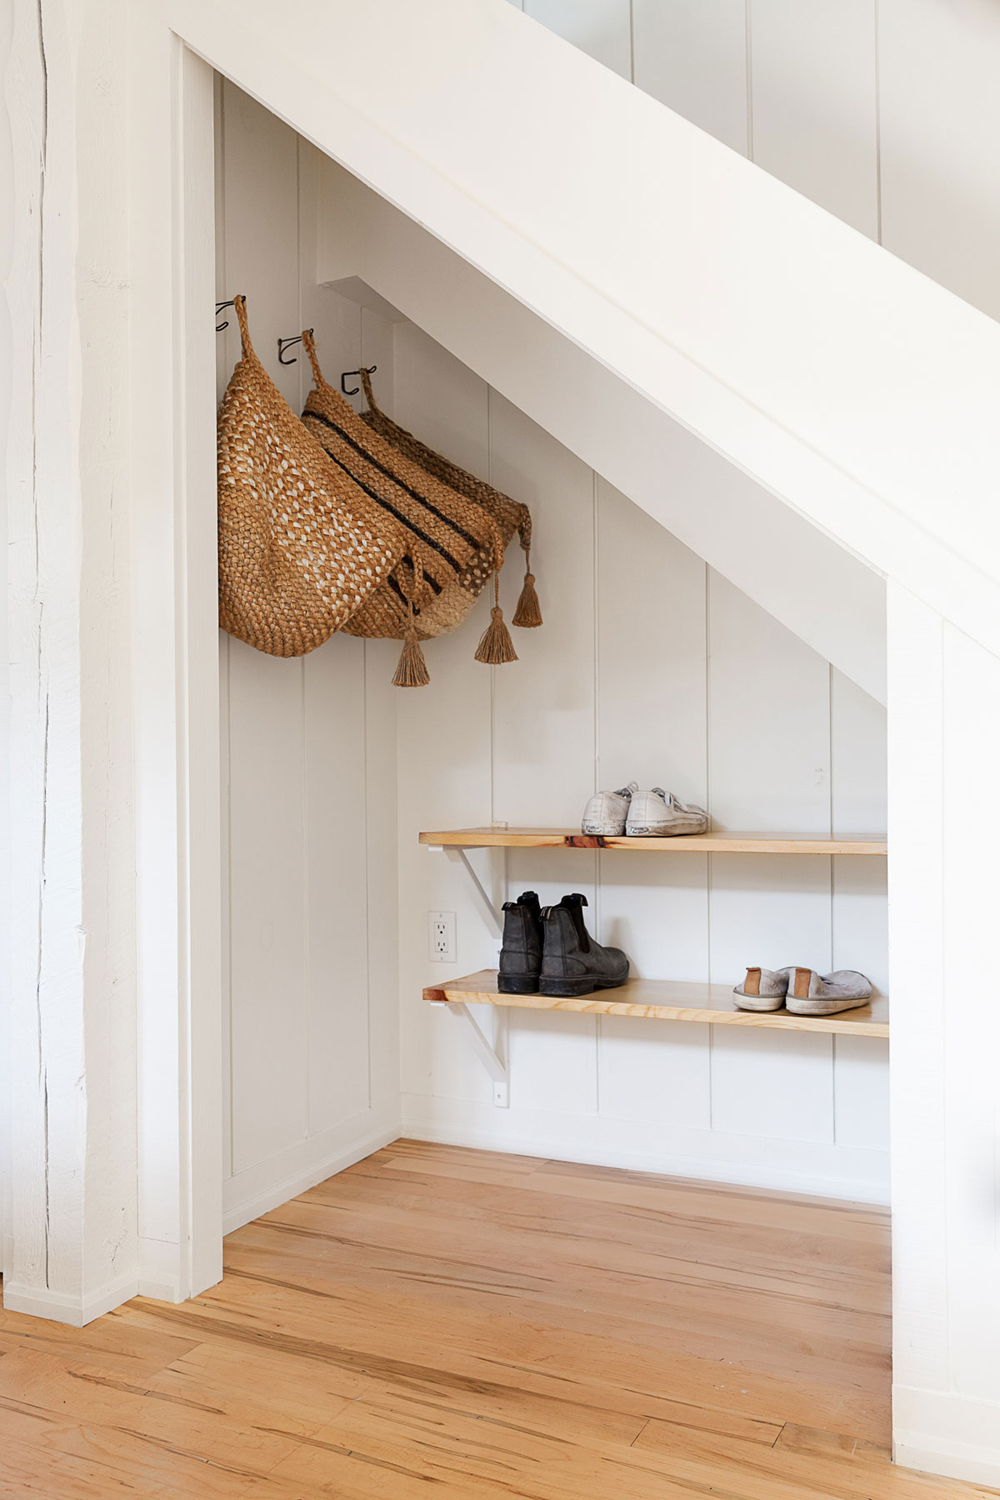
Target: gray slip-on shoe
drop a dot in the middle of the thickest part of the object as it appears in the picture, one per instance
(659, 814)
(606, 812)
(812, 994)
(763, 989)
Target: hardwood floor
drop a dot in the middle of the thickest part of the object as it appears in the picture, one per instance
(490, 1326)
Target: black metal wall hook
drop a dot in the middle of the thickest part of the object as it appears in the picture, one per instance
(284, 344)
(345, 377)
(218, 308)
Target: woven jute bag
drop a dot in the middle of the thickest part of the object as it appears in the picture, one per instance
(451, 538)
(301, 545)
(509, 514)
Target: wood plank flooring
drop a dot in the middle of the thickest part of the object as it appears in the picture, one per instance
(467, 1324)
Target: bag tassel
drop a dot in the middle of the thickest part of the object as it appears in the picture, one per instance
(412, 669)
(528, 612)
(496, 646)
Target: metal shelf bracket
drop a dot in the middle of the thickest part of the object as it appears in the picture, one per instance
(485, 1050)
(488, 911)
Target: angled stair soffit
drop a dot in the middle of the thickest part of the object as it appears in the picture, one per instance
(842, 381)
(808, 582)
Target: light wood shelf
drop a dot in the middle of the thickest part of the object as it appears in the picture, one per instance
(667, 1000)
(702, 843)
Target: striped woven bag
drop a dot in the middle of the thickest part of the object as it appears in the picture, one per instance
(450, 537)
(302, 546)
(509, 514)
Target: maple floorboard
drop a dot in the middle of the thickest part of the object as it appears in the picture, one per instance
(491, 1326)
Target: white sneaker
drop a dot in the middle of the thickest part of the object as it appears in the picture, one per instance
(606, 812)
(659, 814)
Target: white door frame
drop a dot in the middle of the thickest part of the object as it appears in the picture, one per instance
(116, 1151)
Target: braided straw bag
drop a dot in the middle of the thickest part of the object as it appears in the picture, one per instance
(450, 537)
(301, 546)
(509, 514)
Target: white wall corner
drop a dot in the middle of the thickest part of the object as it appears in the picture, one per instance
(246, 1200)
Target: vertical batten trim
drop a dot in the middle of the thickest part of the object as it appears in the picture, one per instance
(631, 41)
(878, 128)
(366, 793)
(748, 31)
(222, 87)
(709, 871)
(307, 974)
(595, 534)
(831, 740)
(493, 670)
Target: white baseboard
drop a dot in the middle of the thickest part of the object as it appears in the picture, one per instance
(64, 1307)
(160, 1289)
(812, 1169)
(290, 1175)
(941, 1433)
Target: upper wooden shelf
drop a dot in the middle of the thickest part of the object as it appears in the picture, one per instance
(705, 843)
(667, 1000)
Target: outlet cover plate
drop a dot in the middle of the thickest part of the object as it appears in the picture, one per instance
(442, 946)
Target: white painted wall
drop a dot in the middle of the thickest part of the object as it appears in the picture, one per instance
(308, 758)
(653, 667)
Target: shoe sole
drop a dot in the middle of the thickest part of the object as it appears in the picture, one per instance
(516, 984)
(570, 989)
(604, 830)
(822, 1007)
(662, 831)
(759, 1003)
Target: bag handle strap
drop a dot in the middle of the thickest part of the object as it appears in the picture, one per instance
(366, 381)
(309, 345)
(240, 305)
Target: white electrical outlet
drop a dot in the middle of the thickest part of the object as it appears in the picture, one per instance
(442, 937)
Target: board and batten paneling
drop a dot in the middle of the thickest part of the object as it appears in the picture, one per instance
(939, 107)
(601, 28)
(649, 667)
(692, 56)
(308, 757)
(815, 108)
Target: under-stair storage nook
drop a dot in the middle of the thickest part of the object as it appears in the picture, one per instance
(651, 664)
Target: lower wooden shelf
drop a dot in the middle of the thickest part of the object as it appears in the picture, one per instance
(667, 1000)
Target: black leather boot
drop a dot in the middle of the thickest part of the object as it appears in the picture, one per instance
(572, 963)
(521, 954)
